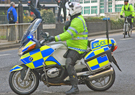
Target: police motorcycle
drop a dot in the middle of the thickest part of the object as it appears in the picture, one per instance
(44, 61)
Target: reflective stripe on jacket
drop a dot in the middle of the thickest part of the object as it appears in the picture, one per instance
(76, 35)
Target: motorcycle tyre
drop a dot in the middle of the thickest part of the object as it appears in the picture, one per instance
(20, 93)
(89, 85)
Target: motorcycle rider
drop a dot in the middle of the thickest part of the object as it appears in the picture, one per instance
(129, 12)
(76, 36)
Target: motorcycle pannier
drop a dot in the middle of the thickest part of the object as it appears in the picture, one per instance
(98, 59)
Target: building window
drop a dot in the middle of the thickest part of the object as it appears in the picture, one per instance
(93, 1)
(81, 1)
(93, 9)
(119, 0)
(101, 6)
(86, 1)
(109, 5)
(86, 10)
(82, 10)
(118, 8)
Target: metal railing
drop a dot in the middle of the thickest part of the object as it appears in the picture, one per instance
(12, 32)
(3, 19)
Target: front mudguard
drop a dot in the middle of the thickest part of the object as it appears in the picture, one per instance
(22, 68)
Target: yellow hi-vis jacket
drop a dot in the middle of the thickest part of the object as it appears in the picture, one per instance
(76, 35)
(127, 10)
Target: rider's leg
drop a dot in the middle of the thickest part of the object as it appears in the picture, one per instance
(36, 12)
(131, 22)
(72, 57)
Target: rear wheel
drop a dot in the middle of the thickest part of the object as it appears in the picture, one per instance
(103, 83)
(23, 87)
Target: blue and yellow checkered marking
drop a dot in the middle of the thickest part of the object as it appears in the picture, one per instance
(35, 58)
(16, 68)
(52, 59)
(102, 43)
(97, 62)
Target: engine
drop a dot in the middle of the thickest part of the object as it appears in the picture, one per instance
(53, 72)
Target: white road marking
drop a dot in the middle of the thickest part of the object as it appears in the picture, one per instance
(6, 93)
(47, 92)
(126, 39)
(4, 54)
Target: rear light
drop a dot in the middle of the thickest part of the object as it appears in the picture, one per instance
(115, 47)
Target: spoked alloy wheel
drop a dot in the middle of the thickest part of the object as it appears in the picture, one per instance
(23, 87)
(101, 84)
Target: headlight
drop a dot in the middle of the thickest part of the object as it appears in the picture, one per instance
(20, 51)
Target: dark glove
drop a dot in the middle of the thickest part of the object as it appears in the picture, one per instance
(121, 16)
(67, 24)
(51, 38)
(132, 17)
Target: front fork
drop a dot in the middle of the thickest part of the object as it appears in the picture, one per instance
(126, 27)
(26, 75)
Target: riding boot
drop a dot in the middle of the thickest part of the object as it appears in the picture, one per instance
(74, 90)
(73, 80)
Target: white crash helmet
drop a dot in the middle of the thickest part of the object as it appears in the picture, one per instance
(73, 7)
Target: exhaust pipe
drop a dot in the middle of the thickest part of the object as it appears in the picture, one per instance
(102, 74)
(96, 76)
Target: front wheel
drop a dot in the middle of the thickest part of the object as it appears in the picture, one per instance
(23, 87)
(130, 32)
(125, 30)
(103, 83)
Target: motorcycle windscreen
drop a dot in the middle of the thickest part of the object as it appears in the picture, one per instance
(36, 58)
(97, 62)
(100, 43)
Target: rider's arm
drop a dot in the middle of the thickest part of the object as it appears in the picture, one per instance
(122, 10)
(71, 32)
(132, 10)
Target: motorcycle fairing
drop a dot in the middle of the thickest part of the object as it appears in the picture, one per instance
(16, 68)
(35, 58)
(30, 43)
(102, 42)
(98, 62)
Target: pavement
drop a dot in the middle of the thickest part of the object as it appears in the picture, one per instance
(9, 45)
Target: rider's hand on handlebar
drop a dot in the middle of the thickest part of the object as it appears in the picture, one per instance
(121, 16)
(51, 38)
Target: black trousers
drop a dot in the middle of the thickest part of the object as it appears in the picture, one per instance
(59, 13)
(71, 57)
(11, 22)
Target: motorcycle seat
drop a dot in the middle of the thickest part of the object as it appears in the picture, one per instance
(84, 54)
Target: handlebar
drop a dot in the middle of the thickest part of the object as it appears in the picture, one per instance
(45, 35)
(128, 17)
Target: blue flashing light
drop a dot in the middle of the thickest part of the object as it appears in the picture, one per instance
(30, 37)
